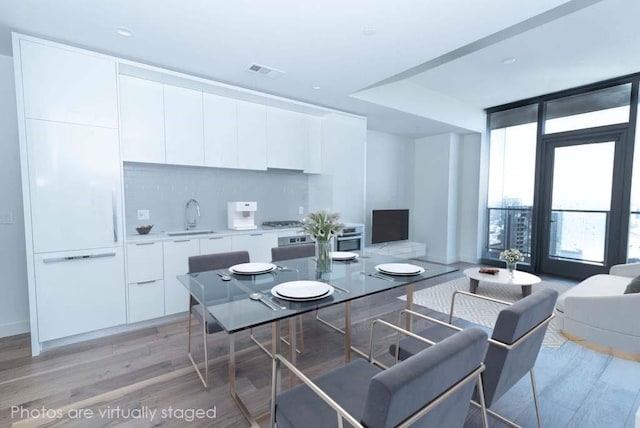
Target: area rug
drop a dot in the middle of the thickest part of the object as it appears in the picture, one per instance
(480, 311)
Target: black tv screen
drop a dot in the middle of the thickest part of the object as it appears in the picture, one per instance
(389, 226)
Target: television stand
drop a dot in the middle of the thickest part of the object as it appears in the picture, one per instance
(400, 249)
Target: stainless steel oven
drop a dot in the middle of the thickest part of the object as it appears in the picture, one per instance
(351, 238)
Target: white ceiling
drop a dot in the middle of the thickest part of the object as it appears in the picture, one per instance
(324, 43)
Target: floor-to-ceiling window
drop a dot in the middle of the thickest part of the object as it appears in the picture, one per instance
(633, 253)
(559, 190)
(512, 159)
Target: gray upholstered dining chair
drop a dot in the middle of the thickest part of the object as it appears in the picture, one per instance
(513, 347)
(291, 252)
(433, 388)
(209, 324)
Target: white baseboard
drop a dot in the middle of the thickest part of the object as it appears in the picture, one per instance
(13, 328)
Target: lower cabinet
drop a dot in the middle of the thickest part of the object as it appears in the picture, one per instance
(216, 244)
(79, 291)
(257, 244)
(146, 300)
(145, 275)
(153, 289)
(176, 262)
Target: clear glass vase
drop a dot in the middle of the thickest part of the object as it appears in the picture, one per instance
(323, 255)
(511, 268)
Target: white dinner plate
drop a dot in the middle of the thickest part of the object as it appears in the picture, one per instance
(404, 269)
(343, 255)
(252, 268)
(302, 290)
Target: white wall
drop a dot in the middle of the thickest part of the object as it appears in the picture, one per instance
(14, 300)
(445, 198)
(389, 183)
(470, 210)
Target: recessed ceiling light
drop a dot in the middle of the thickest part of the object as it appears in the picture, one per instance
(124, 32)
(509, 60)
(316, 87)
(369, 31)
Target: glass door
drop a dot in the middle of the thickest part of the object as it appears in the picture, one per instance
(580, 218)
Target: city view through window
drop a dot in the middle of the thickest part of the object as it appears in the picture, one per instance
(512, 160)
(581, 196)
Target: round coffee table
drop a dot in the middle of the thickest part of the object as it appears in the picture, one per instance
(523, 279)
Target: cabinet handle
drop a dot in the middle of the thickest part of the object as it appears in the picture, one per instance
(146, 282)
(115, 216)
(256, 234)
(144, 243)
(183, 240)
(216, 237)
(69, 258)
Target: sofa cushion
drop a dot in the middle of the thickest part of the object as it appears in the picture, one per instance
(634, 286)
(602, 285)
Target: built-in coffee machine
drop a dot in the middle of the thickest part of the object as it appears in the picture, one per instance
(242, 215)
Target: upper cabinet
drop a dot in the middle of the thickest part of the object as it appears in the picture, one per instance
(314, 157)
(293, 140)
(141, 120)
(287, 139)
(76, 87)
(252, 136)
(220, 131)
(183, 125)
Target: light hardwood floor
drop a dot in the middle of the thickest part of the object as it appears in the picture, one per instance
(148, 370)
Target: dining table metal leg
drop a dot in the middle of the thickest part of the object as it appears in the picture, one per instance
(232, 383)
(347, 332)
(276, 375)
(293, 380)
(410, 288)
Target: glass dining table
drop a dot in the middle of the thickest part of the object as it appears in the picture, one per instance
(229, 301)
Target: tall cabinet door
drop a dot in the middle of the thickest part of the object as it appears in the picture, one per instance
(68, 86)
(252, 136)
(220, 131)
(183, 126)
(75, 186)
(176, 262)
(141, 120)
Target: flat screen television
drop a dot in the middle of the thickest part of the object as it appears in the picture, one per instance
(389, 226)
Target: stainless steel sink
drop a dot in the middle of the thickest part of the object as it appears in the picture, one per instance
(190, 232)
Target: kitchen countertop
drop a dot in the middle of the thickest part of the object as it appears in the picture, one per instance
(162, 236)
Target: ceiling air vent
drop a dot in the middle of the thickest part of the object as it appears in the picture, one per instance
(271, 73)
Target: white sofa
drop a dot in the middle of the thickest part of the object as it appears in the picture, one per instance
(597, 310)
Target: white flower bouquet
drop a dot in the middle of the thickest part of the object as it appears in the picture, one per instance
(511, 256)
(322, 225)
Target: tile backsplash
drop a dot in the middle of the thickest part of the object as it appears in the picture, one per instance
(165, 189)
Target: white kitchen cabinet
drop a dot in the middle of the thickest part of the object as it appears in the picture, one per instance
(258, 245)
(183, 124)
(65, 85)
(220, 131)
(287, 139)
(79, 292)
(217, 244)
(314, 156)
(141, 120)
(144, 261)
(252, 136)
(145, 273)
(146, 300)
(74, 180)
(176, 262)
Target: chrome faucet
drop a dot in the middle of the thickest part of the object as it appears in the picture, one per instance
(191, 224)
